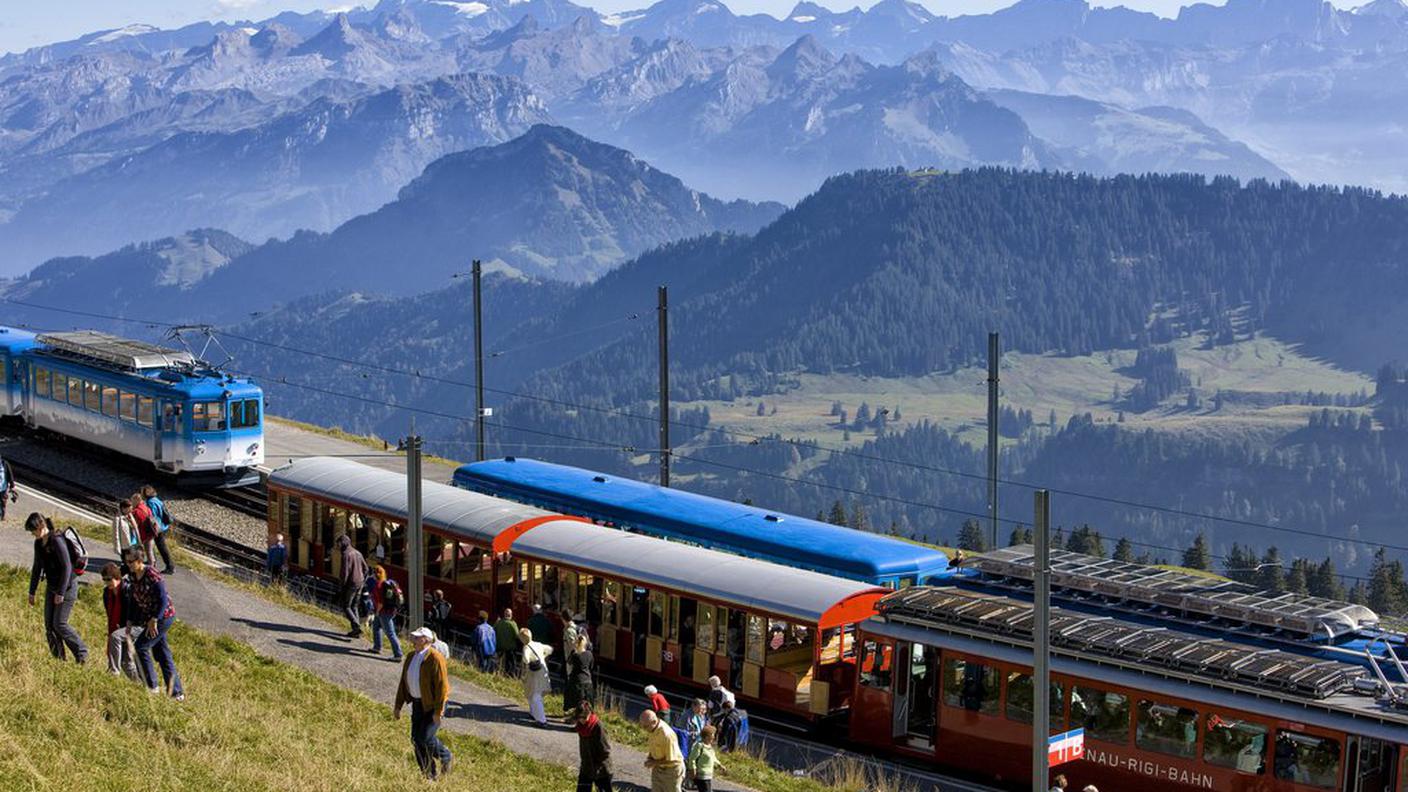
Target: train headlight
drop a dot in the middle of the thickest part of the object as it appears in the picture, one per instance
(252, 450)
(200, 447)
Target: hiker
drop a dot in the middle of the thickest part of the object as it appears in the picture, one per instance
(594, 750)
(425, 684)
(354, 571)
(703, 761)
(161, 520)
(117, 603)
(718, 694)
(729, 724)
(146, 526)
(540, 625)
(486, 647)
(276, 560)
(580, 663)
(535, 675)
(437, 613)
(663, 758)
(8, 493)
(386, 600)
(53, 558)
(124, 528)
(654, 700)
(152, 605)
(510, 648)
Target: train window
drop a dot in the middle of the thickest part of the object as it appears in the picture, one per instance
(569, 591)
(92, 396)
(522, 583)
(610, 602)
(658, 604)
(208, 416)
(127, 406)
(1307, 759)
(75, 391)
(672, 624)
(41, 382)
(1238, 744)
(1019, 699)
(144, 410)
(549, 599)
(591, 598)
(1104, 716)
(110, 401)
(396, 539)
(434, 556)
(472, 567)
(704, 627)
(754, 640)
(244, 414)
(972, 686)
(783, 636)
(1166, 729)
(875, 665)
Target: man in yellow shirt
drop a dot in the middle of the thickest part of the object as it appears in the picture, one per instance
(663, 757)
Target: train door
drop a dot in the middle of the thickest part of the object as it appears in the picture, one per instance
(1369, 765)
(915, 721)
(168, 435)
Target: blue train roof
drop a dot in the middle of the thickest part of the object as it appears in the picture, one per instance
(13, 340)
(748, 530)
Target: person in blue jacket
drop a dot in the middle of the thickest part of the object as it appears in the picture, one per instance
(163, 521)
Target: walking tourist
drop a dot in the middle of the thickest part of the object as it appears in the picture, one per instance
(276, 560)
(594, 749)
(354, 571)
(654, 700)
(535, 675)
(53, 559)
(540, 625)
(124, 528)
(117, 603)
(425, 685)
(386, 600)
(152, 606)
(486, 644)
(162, 521)
(662, 758)
(507, 643)
(578, 685)
(703, 761)
(146, 526)
(718, 694)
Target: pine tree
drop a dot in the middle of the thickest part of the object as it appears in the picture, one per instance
(820, 515)
(1386, 591)
(971, 538)
(838, 513)
(1298, 581)
(1325, 582)
(1016, 537)
(858, 519)
(1086, 541)
(1198, 556)
(1124, 550)
(1240, 562)
(1271, 576)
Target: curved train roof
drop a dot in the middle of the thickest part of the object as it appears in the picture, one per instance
(808, 597)
(712, 522)
(14, 340)
(482, 518)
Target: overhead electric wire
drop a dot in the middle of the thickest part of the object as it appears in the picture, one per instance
(703, 428)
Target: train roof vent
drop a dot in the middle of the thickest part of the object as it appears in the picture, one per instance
(772, 518)
(111, 350)
(599, 479)
(1210, 598)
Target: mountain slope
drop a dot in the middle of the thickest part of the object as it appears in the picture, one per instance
(311, 168)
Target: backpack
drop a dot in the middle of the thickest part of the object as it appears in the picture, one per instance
(488, 642)
(77, 554)
(390, 595)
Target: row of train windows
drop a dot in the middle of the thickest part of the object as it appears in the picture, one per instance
(207, 416)
(93, 396)
(1106, 716)
(658, 614)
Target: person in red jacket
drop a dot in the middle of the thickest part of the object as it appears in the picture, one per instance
(146, 526)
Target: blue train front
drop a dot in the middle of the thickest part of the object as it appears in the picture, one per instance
(144, 401)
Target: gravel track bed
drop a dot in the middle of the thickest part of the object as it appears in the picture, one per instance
(78, 466)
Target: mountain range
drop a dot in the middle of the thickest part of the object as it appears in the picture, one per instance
(303, 121)
(549, 203)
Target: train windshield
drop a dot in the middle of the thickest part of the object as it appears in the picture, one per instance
(244, 414)
(208, 416)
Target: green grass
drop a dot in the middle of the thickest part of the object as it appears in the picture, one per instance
(248, 723)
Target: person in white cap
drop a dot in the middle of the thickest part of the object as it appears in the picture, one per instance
(425, 684)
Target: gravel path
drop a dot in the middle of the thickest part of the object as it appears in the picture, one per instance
(81, 465)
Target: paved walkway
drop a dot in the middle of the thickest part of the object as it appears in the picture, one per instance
(305, 641)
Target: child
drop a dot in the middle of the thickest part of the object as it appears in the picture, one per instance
(703, 761)
(122, 654)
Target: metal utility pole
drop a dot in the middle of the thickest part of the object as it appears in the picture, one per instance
(1041, 641)
(664, 316)
(478, 364)
(993, 354)
(415, 538)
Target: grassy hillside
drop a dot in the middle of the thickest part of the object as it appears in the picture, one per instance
(248, 723)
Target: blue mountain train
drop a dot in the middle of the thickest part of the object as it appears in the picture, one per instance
(709, 522)
(144, 401)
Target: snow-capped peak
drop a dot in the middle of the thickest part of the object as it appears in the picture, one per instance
(124, 32)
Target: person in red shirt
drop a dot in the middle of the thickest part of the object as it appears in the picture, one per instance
(146, 526)
(655, 701)
(117, 601)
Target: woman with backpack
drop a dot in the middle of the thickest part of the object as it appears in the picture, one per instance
(387, 600)
(161, 521)
(535, 675)
(60, 562)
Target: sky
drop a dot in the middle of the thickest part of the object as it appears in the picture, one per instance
(29, 23)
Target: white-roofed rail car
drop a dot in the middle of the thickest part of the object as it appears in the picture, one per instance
(144, 401)
(783, 636)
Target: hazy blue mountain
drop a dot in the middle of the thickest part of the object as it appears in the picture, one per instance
(308, 169)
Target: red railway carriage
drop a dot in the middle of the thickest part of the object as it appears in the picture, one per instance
(781, 637)
(946, 675)
(467, 536)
